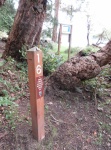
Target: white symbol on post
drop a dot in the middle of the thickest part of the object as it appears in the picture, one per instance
(39, 86)
(39, 69)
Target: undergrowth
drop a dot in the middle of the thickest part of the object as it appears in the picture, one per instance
(50, 59)
(13, 85)
(98, 86)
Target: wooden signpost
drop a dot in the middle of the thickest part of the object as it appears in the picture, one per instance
(35, 73)
(65, 29)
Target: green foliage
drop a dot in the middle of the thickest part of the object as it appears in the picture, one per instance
(48, 23)
(74, 50)
(90, 49)
(98, 85)
(6, 101)
(23, 67)
(7, 97)
(14, 87)
(11, 115)
(23, 52)
(50, 61)
(50, 8)
(7, 13)
(47, 44)
(87, 50)
(46, 33)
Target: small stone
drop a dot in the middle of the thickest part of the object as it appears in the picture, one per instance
(104, 131)
(108, 144)
(74, 112)
(109, 124)
(109, 136)
(50, 103)
(100, 109)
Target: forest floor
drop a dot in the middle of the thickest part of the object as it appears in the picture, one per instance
(73, 120)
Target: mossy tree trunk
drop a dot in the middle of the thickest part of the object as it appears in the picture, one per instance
(27, 27)
(80, 68)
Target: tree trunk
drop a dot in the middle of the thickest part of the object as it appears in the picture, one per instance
(88, 38)
(54, 33)
(27, 27)
(80, 68)
(2, 2)
(88, 29)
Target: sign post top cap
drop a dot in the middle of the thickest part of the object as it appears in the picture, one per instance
(68, 24)
(34, 49)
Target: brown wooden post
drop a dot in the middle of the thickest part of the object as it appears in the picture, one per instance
(70, 40)
(59, 39)
(35, 73)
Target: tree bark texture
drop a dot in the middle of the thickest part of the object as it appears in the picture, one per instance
(80, 68)
(2, 2)
(27, 27)
(54, 33)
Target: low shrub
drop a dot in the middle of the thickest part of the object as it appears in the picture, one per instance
(50, 61)
(74, 50)
(89, 49)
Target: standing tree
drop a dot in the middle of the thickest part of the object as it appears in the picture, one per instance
(2, 2)
(89, 20)
(88, 29)
(72, 7)
(27, 27)
(103, 37)
(48, 22)
(55, 22)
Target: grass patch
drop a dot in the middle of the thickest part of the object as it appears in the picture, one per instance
(74, 50)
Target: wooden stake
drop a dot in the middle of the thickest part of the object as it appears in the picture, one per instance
(35, 73)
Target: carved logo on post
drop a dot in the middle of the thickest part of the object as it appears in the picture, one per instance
(39, 87)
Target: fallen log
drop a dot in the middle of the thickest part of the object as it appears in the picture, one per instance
(80, 68)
